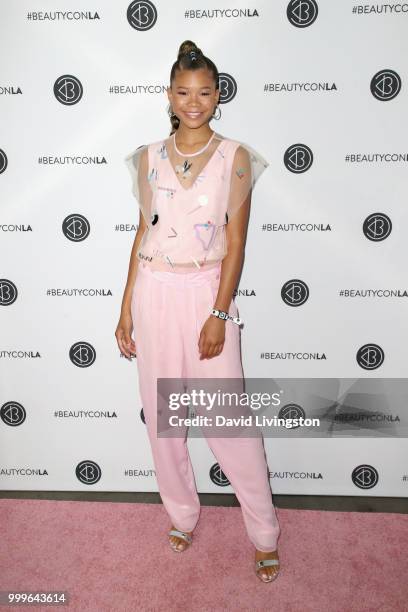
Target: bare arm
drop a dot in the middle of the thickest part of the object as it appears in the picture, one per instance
(212, 335)
(123, 333)
(133, 265)
(236, 231)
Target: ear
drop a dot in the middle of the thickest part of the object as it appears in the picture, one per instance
(169, 94)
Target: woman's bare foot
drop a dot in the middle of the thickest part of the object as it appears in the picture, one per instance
(267, 573)
(179, 543)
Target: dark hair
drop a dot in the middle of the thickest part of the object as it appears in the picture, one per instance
(190, 57)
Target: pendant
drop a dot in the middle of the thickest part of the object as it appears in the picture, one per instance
(184, 169)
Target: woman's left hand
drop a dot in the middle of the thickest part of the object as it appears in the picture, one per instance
(212, 337)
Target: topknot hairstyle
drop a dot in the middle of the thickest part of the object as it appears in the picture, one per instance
(190, 57)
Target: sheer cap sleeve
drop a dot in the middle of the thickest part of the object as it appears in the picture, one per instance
(247, 167)
(138, 165)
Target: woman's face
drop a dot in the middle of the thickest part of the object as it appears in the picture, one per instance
(193, 96)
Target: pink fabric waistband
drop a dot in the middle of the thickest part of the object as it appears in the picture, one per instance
(197, 278)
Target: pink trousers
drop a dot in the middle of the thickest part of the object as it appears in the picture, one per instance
(168, 312)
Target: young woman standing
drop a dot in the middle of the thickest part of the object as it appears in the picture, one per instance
(194, 192)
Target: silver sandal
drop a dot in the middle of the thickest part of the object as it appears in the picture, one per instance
(183, 536)
(266, 563)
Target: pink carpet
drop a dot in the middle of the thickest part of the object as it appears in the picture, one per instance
(115, 557)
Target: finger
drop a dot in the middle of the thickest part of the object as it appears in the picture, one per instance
(210, 352)
(204, 350)
(201, 342)
(124, 349)
(122, 346)
(221, 346)
(217, 350)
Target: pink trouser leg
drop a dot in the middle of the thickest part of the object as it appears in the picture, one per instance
(168, 311)
(159, 352)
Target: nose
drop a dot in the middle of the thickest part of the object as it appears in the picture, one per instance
(194, 100)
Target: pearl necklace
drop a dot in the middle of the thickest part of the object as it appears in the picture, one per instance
(192, 154)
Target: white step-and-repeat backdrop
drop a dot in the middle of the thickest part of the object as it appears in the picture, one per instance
(319, 89)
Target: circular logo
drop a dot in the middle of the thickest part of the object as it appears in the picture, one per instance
(227, 86)
(377, 227)
(76, 227)
(8, 292)
(370, 356)
(364, 476)
(218, 477)
(291, 411)
(302, 13)
(82, 354)
(88, 472)
(3, 161)
(385, 85)
(294, 292)
(142, 15)
(298, 158)
(68, 89)
(13, 414)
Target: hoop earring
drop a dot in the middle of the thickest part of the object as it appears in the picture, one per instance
(170, 111)
(219, 115)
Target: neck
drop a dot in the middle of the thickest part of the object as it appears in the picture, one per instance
(193, 136)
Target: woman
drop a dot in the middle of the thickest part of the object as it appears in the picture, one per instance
(194, 191)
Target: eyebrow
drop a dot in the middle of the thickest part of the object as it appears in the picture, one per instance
(183, 87)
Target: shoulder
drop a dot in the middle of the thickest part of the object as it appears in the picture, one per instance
(238, 152)
(145, 149)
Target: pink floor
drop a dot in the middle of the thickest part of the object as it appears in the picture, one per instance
(114, 556)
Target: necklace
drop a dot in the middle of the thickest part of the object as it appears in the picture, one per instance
(192, 154)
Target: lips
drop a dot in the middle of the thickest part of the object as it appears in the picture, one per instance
(193, 115)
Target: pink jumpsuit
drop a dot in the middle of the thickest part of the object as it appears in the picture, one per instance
(168, 310)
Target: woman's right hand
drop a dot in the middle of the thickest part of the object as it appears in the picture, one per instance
(123, 335)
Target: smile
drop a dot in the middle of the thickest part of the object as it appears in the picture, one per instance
(192, 115)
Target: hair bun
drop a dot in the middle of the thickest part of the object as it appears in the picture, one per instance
(186, 47)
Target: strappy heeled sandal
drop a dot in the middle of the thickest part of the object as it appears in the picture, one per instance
(265, 563)
(183, 536)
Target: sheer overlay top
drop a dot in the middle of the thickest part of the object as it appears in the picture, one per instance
(187, 199)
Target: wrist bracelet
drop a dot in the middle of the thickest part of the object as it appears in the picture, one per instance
(221, 314)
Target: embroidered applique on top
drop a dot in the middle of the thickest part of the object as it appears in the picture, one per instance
(187, 201)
